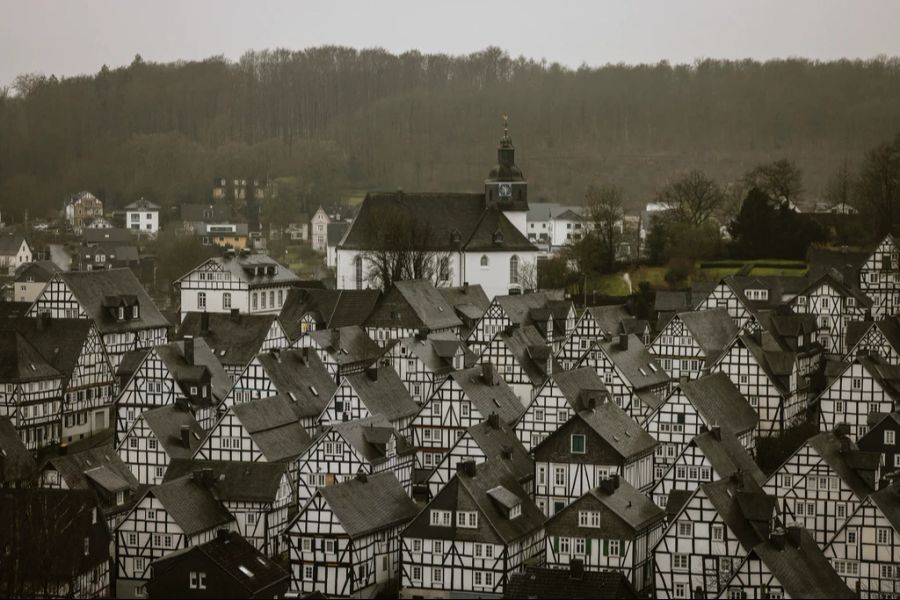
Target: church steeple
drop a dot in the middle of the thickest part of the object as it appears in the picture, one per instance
(505, 185)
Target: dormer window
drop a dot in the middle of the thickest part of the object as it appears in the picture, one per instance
(515, 511)
(135, 311)
(121, 313)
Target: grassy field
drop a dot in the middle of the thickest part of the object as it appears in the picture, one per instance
(613, 284)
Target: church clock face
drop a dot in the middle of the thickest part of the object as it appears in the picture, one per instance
(505, 190)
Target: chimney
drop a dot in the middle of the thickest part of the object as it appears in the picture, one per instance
(842, 429)
(466, 467)
(181, 404)
(372, 373)
(204, 323)
(186, 436)
(222, 534)
(776, 537)
(793, 536)
(189, 349)
(576, 569)
(335, 339)
(494, 420)
(716, 432)
(362, 477)
(506, 453)
(43, 319)
(235, 315)
(422, 333)
(623, 341)
(465, 289)
(63, 449)
(487, 373)
(508, 330)
(845, 444)
(703, 428)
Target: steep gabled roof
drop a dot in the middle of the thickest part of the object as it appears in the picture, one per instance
(531, 352)
(173, 356)
(233, 481)
(414, 304)
(468, 300)
(635, 362)
(234, 338)
(329, 308)
(191, 504)
(617, 429)
(495, 438)
(488, 396)
(382, 392)
(300, 375)
(609, 318)
(353, 345)
(719, 402)
(629, 504)
(20, 361)
(369, 503)
(17, 464)
(59, 341)
(166, 423)
(93, 289)
(743, 506)
(712, 329)
(856, 468)
(370, 437)
(726, 455)
(99, 466)
(274, 426)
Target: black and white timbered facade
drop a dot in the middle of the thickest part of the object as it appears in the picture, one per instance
(879, 278)
(864, 387)
(691, 341)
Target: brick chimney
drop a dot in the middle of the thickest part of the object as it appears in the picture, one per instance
(186, 436)
(466, 467)
(372, 373)
(189, 349)
(487, 373)
(623, 341)
(494, 420)
(204, 323)
(335, 339)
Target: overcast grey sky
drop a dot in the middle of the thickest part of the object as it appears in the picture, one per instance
(68, 37)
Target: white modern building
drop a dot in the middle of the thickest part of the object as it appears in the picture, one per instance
(142, 216)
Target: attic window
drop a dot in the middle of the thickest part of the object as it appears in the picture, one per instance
(245, 570)
(222, 352)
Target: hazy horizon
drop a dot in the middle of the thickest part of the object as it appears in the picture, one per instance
(79, 36)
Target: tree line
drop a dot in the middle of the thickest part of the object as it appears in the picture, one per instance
(331, 119)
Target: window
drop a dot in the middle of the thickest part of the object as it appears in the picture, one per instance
(589, 518)
(681, 590)
(309, 572)
(467, 519)
(358, 267)
(559, 476)
(718, 533)
(856, 383)
(578, 443)
(201, 300)
(680, 562)
(197, 580)
(226, 300)
(883, 536)
(140, 565)
(685, 529)
(484, 261)
(441, 518)
(564, 545)
(514, 270)
(614, 548)
(437, 575)
(87, 546)
(542, 475)
(890, 437)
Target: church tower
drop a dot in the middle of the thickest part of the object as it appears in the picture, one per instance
(505, 186)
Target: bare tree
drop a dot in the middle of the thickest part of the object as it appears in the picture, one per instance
(694, 198)
(839, 189)
(878, 186)
(405, 249)
(781, 180)
(604, 207)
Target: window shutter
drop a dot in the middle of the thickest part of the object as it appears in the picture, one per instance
(621, 547)
(605, 547)
(588, 547)
(556, 544)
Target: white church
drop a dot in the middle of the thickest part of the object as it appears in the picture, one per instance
(478, 238)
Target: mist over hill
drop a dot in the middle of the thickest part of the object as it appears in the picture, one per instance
(340, 119)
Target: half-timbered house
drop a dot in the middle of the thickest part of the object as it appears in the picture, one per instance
(867, 337)
(342, 450)
(262, 430)
(469, 302)
(156, 438)
(234, 338)
(408, 307)
(343, 350)
(865, 386)
(169, 517)
(834, 304)
(788, 564)
(492, 439)
(634, 378)
(30, 391)
(186, 370)
(517, 309)
(297, 374)
(98, 470)
(479, 530)
(346, 540)
(55, 545)
(563, 394)
(594, 323)
(522, 357)
(307, 309)
(823, 483)
(377, 391)
(712, 454)
(611, 527)
(259, 495)
(745, 296)
(114, 300)
(708, 538)
(882, 436)
(879, 278)
(711, 401)
(865, 551)
(227, 566)
(466, 398)
(250, 283)
(599, 440)
(691, 342)
(423, 362)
